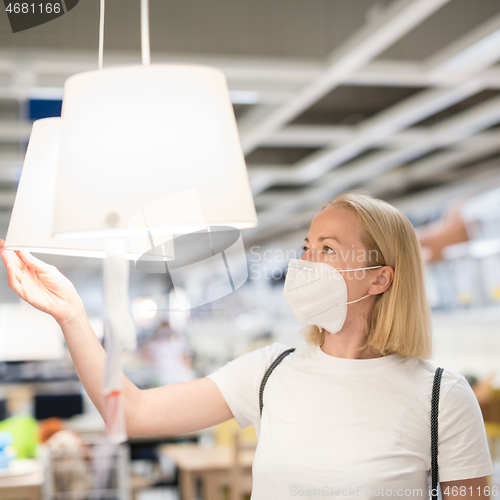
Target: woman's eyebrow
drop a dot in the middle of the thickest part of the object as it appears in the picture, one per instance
(321, 238)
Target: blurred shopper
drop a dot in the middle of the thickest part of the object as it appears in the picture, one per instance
(448, 230)
(168, 351)
(348, 412)
(475, 217)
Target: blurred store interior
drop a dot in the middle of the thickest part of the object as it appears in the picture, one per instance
(400, 98)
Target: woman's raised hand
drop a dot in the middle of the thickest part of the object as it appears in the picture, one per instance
(39, 283)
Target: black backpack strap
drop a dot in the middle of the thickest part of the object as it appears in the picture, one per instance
(434, 432)
(274, 364)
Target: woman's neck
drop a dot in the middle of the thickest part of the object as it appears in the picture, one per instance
(347, 342)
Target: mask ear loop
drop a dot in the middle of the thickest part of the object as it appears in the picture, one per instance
(344, 304)
(359, 269)
(352, 301)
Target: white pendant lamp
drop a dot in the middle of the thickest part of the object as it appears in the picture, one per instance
(30, 226)
(138, 142)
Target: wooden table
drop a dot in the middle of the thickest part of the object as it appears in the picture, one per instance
(26, 486)
(210, 464)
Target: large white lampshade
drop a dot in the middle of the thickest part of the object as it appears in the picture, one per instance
(138, 142)
(30, 226)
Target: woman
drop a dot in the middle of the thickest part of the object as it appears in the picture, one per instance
(348, 413)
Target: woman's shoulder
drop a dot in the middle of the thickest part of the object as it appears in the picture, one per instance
(258, 359)
(267, 354)
(453, 384)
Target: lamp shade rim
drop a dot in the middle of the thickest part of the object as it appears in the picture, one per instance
(97, 254)
(146, 68)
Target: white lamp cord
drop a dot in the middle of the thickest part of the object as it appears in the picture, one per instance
(145, 47)
(145, 44)
(101, 35)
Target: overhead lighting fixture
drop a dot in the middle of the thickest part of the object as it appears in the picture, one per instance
(144, 150)
(135, 138)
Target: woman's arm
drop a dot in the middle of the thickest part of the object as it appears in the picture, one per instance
(466, 489)
(171, 409)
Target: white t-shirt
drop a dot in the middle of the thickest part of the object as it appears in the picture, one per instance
(352, 428)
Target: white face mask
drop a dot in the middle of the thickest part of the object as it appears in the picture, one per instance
(317, 293)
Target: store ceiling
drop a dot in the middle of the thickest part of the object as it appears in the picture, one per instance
(399, 97)
(296, 29)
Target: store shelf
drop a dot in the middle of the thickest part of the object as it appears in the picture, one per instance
(483, 314)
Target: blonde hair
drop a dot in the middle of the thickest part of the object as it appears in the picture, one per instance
(399, 322)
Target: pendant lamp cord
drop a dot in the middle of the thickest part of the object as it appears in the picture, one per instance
(146, 52)
(145, 46)
(101, 35)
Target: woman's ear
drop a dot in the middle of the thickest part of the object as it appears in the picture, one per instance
(382, 281)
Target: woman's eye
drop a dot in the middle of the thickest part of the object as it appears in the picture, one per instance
(325, 248)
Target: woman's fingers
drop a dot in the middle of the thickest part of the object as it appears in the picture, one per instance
(16, 272)
(22, 258)
(33, 262)
(14, 276)
(10, 257)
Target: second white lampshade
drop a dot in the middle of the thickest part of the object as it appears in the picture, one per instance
(30, 226)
